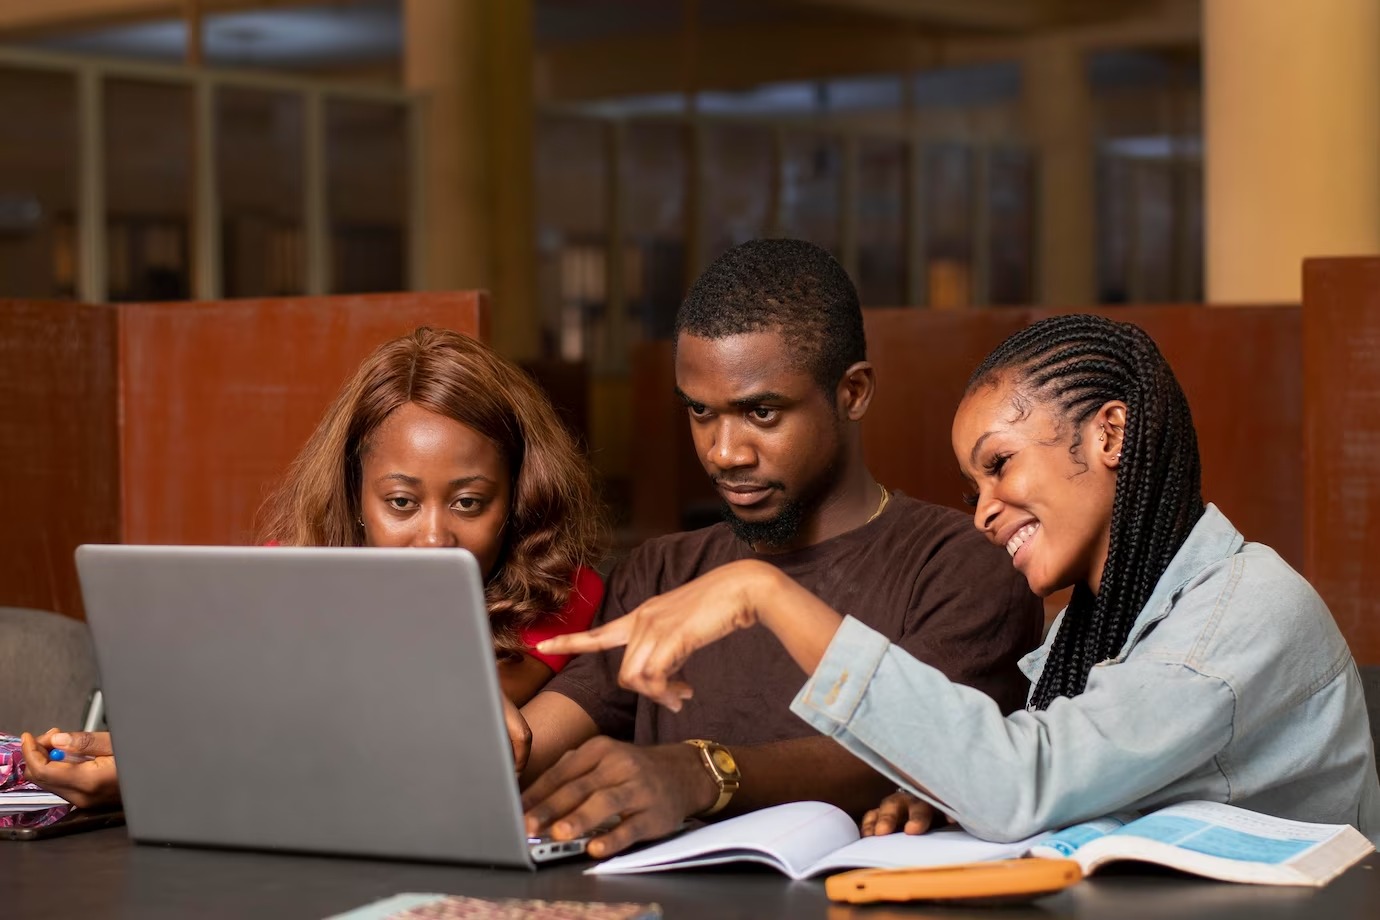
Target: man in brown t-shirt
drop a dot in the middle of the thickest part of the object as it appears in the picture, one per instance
(919, 573)
(771, 364)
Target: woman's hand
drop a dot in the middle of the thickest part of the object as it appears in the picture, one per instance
(87, 784)
(900, 810)
(521, 677)
(519, 734)
(662, 633)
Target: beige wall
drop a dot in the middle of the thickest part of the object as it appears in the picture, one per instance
(1292, 128)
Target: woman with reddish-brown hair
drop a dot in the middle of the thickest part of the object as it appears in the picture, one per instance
(437, 441)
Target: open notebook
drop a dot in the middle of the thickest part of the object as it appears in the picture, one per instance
(804, 839)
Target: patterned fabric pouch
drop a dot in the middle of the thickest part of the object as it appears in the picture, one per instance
(12, 765)
(12, 780)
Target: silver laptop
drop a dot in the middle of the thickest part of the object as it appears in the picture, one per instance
(316, 700)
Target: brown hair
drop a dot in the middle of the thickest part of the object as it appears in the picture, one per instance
(555, 522)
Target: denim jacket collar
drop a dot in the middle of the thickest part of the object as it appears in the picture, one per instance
(1212, 539)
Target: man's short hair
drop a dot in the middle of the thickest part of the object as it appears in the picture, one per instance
(792, 286)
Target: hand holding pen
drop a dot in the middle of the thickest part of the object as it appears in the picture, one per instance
(84, 773)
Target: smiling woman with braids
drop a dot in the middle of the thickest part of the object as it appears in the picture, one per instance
(1189, 664)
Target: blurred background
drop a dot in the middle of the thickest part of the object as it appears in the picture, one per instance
(584, 159)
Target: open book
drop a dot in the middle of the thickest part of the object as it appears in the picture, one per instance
(1217, 841)
(805, 839)
(19, 801)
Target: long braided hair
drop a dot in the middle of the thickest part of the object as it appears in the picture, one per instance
(1077, 364)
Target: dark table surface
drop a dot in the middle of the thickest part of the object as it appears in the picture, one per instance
(102, 874)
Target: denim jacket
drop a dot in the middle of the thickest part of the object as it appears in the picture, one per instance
(1234, 685)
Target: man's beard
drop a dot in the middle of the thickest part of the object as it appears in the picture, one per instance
(783, 528)
(779, 530)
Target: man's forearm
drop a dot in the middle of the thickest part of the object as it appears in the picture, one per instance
(558, 725)
(805, 769)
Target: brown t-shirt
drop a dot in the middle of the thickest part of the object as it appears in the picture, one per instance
(919, 574)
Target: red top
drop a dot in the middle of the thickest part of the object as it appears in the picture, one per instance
(576, 617)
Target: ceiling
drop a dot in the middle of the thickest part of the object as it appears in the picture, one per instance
(305, 34)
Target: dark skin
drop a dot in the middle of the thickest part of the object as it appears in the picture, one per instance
(1051, 509)
(88, 783)
(429, 481)
(765, 432)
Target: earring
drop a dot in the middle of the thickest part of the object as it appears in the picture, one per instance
(1102, 432)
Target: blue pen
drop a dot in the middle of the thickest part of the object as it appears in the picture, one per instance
(60, 756)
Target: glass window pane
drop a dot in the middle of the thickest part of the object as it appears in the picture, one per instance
(1114, 242)
(572, 233)
(737, 184)
(1148, 128)
(653, 172)
(811, 170)
(1011, 178)
(881, 222)
(259, 149)
(148, 188)
(38, 184)
(948, 196)
(1152, 269)
(366, 195)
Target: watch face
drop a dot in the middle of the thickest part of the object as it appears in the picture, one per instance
(724, 761)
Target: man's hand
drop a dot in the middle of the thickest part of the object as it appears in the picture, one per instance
(900, 810)
(519, 734)
(87, 784)
(651, 789)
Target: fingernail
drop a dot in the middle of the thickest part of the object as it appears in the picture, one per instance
(541, 646)
(561, 830)
(61, 739)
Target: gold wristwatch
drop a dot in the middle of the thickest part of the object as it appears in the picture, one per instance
(721, 765)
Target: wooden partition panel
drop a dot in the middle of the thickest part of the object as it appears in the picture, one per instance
(219, 397)
(169, 422)
(58, 444)
(668, 480)
(1240, 368)
(1341, 360)
(923, 359)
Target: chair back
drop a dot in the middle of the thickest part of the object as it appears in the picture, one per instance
(47, 670)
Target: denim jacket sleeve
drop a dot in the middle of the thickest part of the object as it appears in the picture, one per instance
(1008, 777)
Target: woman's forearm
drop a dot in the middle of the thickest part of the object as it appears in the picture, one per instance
(803, 623)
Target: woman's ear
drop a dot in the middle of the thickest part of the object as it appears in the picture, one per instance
(1111, 433)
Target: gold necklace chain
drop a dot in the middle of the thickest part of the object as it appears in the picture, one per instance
(886, 497)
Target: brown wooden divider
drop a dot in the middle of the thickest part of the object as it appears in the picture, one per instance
(168, 422)
(1341, 363)
(1240, 368)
